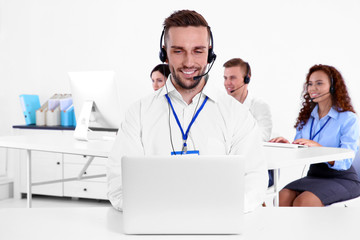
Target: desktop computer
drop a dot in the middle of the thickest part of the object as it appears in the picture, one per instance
(96, 103)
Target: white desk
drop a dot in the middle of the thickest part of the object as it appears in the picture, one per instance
(277, 157)
(284, 157)
(106, 223)
(58, 144)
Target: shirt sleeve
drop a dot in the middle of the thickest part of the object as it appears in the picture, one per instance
(298, 134)
(349, 138)
(247, 141)
(128, 142)
(262, 114)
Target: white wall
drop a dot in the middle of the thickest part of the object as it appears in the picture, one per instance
(41, 40)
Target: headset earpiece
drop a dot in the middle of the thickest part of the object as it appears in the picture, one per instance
(247, 77)
(162, 53)
(246, 80)
(211, 54)
(332, 88)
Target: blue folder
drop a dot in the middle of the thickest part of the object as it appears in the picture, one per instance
(68, 117)
(29, 105)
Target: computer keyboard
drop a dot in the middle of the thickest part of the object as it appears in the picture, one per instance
(283, 145)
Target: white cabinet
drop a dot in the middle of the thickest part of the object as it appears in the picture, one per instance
(88, 188)
(45, 167)
(48, 166)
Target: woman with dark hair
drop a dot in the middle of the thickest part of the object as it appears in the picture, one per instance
(327, 119)
(159, 75)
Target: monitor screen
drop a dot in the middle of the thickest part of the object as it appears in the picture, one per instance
(96, 101)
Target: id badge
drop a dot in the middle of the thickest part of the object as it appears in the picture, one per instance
(185, 153)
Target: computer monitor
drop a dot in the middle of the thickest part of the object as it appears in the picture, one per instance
(96, 102)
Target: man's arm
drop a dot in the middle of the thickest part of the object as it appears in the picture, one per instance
(262, 114)
(128, 142)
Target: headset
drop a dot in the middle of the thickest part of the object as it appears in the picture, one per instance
(211, 54)
(332, 88)
(247, 77)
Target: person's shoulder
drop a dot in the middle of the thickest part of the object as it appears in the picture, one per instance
(258, 101)
(347, 115)
(145, 101)
(348, 118)
(227, 101)
(230, 108)
(256, 104)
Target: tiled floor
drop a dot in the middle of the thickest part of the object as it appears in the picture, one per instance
(51, 202)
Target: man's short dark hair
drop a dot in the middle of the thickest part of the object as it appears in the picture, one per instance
(184, 18)
(238, 62)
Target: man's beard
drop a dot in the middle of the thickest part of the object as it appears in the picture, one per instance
(181, 84)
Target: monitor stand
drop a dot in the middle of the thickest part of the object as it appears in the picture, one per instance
(82, 125)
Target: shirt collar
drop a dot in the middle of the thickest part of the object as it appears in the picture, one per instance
(332, 113)
(168, 88)
(208, 90)
(248, 99)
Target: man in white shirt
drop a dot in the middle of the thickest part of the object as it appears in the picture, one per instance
(237, 74)
(189, 115)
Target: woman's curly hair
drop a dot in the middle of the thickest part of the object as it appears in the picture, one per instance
(340, 97)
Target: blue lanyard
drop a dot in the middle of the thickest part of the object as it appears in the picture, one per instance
(185, 135)
(312, 123)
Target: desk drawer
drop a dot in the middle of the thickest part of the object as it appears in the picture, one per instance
(73, 170)
(82, 189)
(45, 167)
(68, 158)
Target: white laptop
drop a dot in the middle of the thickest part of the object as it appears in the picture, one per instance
(187, 194)
(283, 145)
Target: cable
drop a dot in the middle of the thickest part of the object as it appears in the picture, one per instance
(172, 145)
(194, 113)
(197, 104)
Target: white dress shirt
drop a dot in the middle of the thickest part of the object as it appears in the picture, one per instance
(261, 112)
(223, 127)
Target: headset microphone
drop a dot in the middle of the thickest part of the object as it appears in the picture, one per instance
(200, 76)
(238, 88)
(311, 99)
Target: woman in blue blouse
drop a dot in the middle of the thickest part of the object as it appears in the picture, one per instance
(327, 119)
